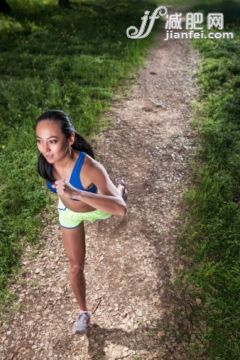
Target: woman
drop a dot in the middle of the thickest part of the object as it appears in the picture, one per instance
(66, 158)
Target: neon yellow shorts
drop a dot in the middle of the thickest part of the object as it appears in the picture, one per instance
(71, 219)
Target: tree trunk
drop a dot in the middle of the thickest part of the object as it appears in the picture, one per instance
(4, 7)
(64, 3)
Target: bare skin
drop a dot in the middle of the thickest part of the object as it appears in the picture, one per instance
(74, 245)
(57, 150)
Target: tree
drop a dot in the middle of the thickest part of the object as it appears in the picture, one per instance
(64, 3)
(4, 7)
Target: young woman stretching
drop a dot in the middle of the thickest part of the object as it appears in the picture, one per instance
(65, 157)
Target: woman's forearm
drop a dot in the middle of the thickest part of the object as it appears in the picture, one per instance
(110, 204)
(77, 206)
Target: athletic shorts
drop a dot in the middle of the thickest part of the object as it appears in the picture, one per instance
(71, 219)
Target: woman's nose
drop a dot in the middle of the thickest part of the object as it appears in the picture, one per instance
(46, 147)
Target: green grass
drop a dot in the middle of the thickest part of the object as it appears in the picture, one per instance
(212, 224)
(72, 59)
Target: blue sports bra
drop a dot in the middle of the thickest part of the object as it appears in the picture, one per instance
(75, 176)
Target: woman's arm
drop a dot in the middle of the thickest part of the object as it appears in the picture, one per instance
(110, 204)
(77, 206)
(109, 199)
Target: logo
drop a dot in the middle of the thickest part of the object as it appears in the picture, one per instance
(139, 34)
(178, 26)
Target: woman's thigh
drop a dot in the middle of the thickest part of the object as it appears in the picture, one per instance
(74, 244)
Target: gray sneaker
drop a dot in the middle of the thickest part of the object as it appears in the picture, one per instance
(82, 323)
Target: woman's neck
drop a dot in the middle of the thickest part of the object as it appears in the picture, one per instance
(66, 164)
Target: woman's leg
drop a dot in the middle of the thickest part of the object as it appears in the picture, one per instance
(74, 245)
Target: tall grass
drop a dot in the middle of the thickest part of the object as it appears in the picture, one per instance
(211, 236)
(71, 59)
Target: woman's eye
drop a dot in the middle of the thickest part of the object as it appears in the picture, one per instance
(53, 141)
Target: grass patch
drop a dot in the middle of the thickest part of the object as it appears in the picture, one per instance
(72, 59)
(211, 234)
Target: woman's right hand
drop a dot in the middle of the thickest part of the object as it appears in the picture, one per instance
(64, 190)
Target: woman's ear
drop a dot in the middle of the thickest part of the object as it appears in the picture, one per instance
(72, 138)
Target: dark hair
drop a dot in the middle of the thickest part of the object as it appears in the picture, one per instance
(45, 169)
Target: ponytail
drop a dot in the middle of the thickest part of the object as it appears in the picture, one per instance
(81, 144)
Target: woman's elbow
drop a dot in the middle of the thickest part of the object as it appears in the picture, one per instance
(122, 210)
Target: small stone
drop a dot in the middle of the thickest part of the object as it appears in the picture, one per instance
(193, 337)
(198, 301)
(30, 323)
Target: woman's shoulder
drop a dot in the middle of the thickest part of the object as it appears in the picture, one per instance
(89, 162)
(87, 172)
(92, 166)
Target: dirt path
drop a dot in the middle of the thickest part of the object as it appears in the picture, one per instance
(130, 267)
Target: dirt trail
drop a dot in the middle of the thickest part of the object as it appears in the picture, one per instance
(129, 266)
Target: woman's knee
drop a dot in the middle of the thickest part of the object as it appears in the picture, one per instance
(76, 269)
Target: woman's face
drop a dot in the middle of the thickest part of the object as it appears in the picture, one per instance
(51, 142)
